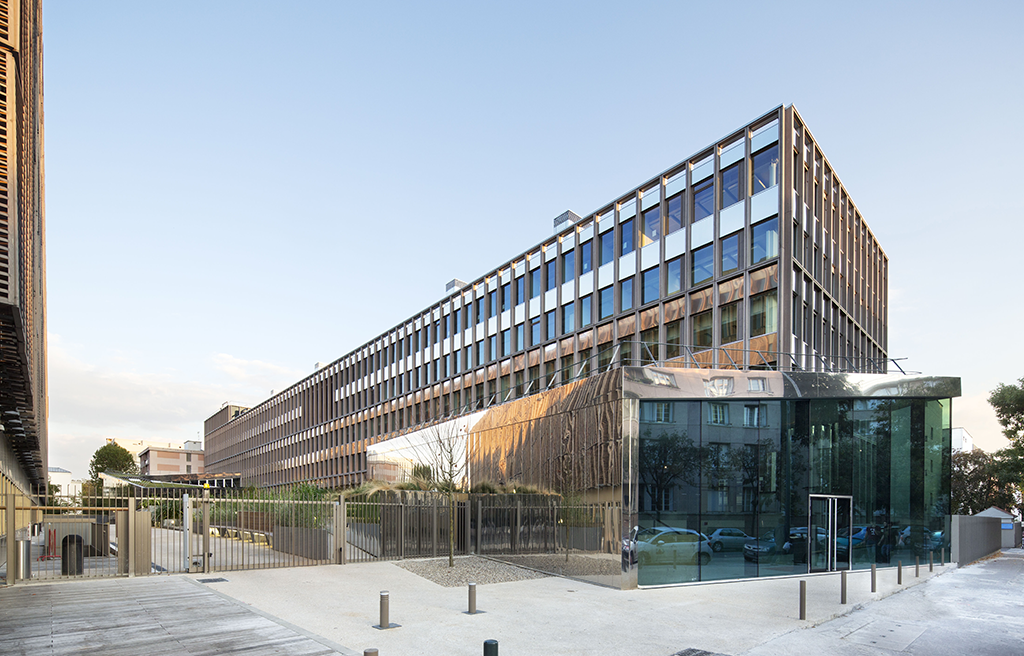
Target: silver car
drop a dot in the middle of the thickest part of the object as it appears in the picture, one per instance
(669, 545)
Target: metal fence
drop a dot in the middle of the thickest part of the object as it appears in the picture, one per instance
(396, 526)
(138, 530)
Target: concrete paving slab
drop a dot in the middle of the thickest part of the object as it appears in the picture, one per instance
(549, 615)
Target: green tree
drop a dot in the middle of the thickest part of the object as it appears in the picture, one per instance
(111, 457)
(977, 483)
(1008, 402)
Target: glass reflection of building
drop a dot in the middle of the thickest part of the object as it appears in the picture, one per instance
(755, 452)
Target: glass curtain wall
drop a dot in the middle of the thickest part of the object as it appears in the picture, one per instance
(725, 485)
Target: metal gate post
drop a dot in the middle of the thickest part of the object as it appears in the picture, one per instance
(479, 525)
(401, 530)
(11, 531)
(340, 532)
(186, 532)
(206, 530)
(468, 542)
(433, 529)
(129, 539)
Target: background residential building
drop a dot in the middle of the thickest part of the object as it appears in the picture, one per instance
(187, 459)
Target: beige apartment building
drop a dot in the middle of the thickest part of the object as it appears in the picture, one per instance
(155, 460)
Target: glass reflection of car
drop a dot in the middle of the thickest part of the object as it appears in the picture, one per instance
(672, 546)
(860, 540)
(758, 548)
(728, 539)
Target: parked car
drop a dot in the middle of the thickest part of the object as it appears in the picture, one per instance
(728, 539)
(666, 544)
(756, 549)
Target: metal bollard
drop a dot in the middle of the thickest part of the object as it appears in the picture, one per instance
(917, 567)
(899, 572)
(369, 652)
(490, 648)
(842, 587)
(874, 577)
(472, 598)
(931, 561)
(942, 556)
(385, 620)
(803, 600)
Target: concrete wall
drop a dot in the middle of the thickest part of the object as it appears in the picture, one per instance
(1011, 536)
(974, 537)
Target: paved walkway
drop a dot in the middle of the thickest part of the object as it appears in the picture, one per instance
(316, 610)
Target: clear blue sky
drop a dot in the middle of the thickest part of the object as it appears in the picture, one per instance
(238, 190)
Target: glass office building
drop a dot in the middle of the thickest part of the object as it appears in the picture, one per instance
(748, 254)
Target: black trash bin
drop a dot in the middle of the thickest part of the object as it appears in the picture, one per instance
(71, 555)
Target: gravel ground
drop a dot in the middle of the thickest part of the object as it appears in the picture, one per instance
(468, 569)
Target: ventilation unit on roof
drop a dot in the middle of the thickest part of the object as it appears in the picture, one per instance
(566, 219)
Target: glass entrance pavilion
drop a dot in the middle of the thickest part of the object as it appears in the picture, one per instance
(750, 474)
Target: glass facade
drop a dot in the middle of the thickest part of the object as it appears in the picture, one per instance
(751, 243)
(738, 488)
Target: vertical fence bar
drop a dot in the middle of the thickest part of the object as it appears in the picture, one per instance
(206, 531)
(479, 525)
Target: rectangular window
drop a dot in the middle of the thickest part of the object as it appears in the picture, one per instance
(520, 345)
(535, 331)
(551, 274)
(732, 190)
(731, 253)
(704, 200)
(702, 329)
(481, 352)
(568, 266)
(607, 247)
(479, 310)
(652, 285)
(651, 226)
(550, 320)
(626, 230)
(535, 283)
(506, 342)
(568, 318)
(703, 264)
(675, 213)
(765, 171)
(674, 279)
(606, 303)
(656, 412)
(520, 290)
(585, 264)
(764, 314)
(753, 416)
(457, 320)
(585, 312)
(492, 347)
(492, 301)
(506, 297)
(672, 339)
(718, 414)
(626, 294)
(651, 351)
(764, 243)
(730, 315)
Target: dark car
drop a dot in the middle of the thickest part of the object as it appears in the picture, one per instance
(758, 548)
